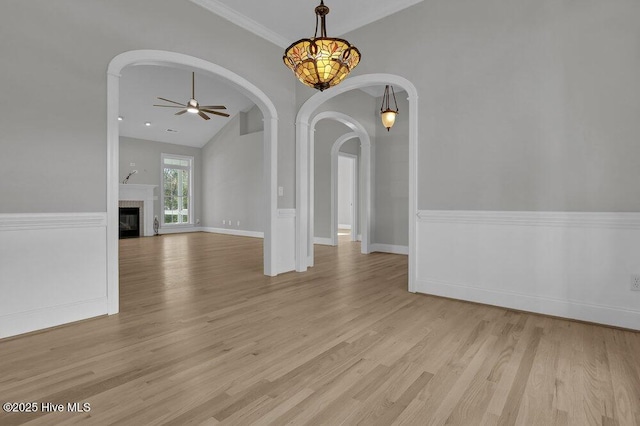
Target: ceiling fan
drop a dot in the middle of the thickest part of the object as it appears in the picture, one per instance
(193, 106)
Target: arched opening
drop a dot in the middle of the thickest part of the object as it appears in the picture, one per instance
(163, 58)
(304, 171)
(361, 189)
(365, 179)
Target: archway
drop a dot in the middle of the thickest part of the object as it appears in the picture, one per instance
(303, 138)
(362, 188)
(164, 58)
(365, 180)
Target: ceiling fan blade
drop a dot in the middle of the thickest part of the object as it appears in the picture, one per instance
(203, 115)
(213, 107)
(173, 102)
(180, 112)
(221, 114)
(169, 106)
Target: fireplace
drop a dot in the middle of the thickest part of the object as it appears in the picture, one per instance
(129, 222)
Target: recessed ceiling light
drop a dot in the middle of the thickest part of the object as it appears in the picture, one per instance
(120, 118)
(147, 124)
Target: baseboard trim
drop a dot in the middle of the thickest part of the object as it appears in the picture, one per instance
(388, 248)
(236, 232)
(181, 230)
(600, 314)
(323, 241)
(38, 319)
(344, 226)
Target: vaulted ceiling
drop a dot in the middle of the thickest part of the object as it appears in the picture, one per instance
(284, 21)
(140, 87)
(278, 21)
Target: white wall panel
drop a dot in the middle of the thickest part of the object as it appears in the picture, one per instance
(52, 270)
(286, 241)
(574, 265)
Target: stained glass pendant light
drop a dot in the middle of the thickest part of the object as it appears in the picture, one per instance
(321, 62)
(388, 115)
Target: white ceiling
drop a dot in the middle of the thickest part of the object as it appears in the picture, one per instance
(141, 85)
(284, 21)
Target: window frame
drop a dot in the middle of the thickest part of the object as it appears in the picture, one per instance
(190, 168)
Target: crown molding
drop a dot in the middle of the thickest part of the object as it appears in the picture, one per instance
(243, 21)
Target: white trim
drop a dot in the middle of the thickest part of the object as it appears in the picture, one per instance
(602, 314)
(389, 248)
(270, 155)
(532, 218)
(323, 241)
(284, 213)
(236, 232)
(38, 319)
(179, 229)
(344, 226)
(245, 22)
(31, 221)
(303, 138)
(231, 15)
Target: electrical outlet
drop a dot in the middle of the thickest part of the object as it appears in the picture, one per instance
(635, 282)
(224, 222)
(238, 224)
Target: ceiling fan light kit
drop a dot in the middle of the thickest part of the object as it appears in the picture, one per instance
(193, 106)
(321, 62)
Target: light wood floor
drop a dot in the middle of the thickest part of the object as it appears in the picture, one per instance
(204, 338)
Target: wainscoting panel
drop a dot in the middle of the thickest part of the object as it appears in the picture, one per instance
(573, 265)
(286, 241)
(52, 270)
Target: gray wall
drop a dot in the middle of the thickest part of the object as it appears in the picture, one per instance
(233, 181)
(391, 177)
(327, 132)
(55, 55)
(251, 121)
(146, 155)
(524, 105)
(390, 172)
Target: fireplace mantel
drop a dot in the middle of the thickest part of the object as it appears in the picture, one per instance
(144, 193)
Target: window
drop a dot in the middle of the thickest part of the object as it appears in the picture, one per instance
(177, 185)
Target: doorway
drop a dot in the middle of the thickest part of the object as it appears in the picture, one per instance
(266, 106)
(347, 197)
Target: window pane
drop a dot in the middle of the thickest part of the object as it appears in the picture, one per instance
(170, 182)
(176, 191)
(176, 162)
